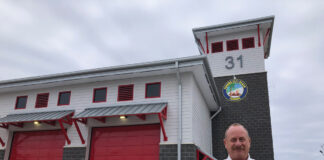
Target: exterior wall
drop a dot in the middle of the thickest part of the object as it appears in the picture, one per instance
(252, 58)
(81, 98)
(75, 153)
(202, 134)
(253, 112)
(169, 152)
(2, 154)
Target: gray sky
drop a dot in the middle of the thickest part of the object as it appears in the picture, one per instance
(44, 37)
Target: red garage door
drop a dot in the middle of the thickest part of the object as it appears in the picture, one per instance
(125, 143)
(38, 145)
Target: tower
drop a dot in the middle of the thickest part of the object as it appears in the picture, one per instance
(236, 53)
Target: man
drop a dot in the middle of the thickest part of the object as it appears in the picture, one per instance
(237, 142)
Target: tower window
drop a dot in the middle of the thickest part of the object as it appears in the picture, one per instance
(248, 42)
(232, 45)
(217, 47)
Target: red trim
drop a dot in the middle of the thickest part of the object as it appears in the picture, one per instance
(2, 143)
(207, 43)
(206, 157)
(37, 99)
(259, 42)
(201, 46)
(17, 102)
(161, 115)
(5, 126)
(93, 97)
(152, 83)
(131, 96)
(59, 96)
(79, 132)
(64, 132)
(244, 47)
(142, 117)
(215, 43)
(267, 34)
(234, 40)
(165, 138)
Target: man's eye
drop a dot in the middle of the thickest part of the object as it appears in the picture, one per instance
(242, 139)
(233, 140)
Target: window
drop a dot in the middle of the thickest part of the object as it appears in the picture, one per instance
(42, 100)
(153, 90)
(125, 92)
(99, 95)
(217, 47)
(64, 98)
(21, 102)
(232, 45)
(248, 42)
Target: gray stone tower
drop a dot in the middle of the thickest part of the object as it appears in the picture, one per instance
(236, 53)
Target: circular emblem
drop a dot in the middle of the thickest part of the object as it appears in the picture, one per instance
(235, 90)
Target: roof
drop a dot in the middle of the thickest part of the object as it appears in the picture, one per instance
(36, 116)
(264, 22)
(117, 110)
(196, 64)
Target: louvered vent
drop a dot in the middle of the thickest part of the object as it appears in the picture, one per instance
(125, 92)
(42, 100)
(248, 42)
(232, 45)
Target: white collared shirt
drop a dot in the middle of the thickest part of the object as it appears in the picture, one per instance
(229, 158)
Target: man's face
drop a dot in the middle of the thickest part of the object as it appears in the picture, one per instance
(237, 143)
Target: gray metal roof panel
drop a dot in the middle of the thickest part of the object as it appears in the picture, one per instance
(129, 109)
(35, 116)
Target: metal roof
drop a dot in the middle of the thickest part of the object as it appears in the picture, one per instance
(35, 116)
(129, 109)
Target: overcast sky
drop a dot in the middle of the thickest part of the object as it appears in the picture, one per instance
(45, 37)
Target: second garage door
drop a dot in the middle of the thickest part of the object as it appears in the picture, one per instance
(127, 142)
(37, 145)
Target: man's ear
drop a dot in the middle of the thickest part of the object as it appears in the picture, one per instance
(224, 142)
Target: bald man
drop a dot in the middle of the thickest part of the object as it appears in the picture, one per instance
(237, 142)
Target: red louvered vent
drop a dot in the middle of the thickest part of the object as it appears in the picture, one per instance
(232, 45)
(217, 47)
(248, 42)
(125, 92)
(42, 100)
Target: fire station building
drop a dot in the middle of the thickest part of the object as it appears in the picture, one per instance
(168, 109)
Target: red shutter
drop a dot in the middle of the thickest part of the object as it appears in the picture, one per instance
(42, 100)
(125, 92)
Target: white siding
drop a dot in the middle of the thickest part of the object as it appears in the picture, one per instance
(253, 58)
(202, 133)
(81, 98)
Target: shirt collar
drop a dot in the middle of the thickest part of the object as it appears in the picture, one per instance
(229, 158)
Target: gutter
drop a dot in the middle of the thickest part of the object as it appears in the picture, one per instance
(179, 111)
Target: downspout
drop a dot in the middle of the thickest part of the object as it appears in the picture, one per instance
(211, 124)
(179, 110)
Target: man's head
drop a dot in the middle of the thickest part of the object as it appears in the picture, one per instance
(237, 142)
